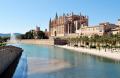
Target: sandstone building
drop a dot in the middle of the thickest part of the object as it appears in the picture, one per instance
(72, 25)
(117, 29)
(35, 32)
(66, 24)
(101, 29)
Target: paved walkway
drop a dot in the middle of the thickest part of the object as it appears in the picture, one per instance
(101, 53)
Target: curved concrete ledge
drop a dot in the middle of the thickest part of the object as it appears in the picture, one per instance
(21, 70)
(7, 55)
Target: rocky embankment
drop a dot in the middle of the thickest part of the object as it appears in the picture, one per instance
(7, 55)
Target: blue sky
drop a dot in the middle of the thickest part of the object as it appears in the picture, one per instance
(23, 15)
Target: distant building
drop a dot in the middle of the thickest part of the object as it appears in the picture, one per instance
(116, 31)
(35, 33)
(101, 29)
(118, 22)
(37, 29)
(66, 24)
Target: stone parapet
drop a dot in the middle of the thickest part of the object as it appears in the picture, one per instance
(38, 41)
(7, 55)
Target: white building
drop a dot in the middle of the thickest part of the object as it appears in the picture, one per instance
(101, 29)
(118, 22)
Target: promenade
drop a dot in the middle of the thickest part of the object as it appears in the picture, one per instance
(96, 52)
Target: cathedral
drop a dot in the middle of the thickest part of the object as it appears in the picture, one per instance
(66, 24)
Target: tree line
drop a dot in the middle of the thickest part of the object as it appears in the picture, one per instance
(3, 40)
(96, 41)
(33, 35)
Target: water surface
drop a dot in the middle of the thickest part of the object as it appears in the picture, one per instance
(75, 65)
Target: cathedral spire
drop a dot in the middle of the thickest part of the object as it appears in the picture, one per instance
(56, 17)
(63, 14)
(80, 14)
(49, 24)
(72, 13)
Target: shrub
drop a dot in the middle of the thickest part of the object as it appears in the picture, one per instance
(2, 44)
(82, 46)
(92, 46)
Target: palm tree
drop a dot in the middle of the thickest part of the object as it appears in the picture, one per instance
(80, 40)
(68, 41)
(86, 40)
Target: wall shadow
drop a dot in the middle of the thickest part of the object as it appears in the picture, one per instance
(8, 73)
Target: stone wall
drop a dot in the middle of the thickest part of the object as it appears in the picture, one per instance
(72, 35)
(7, 55)
(38, 41)
(60, 42)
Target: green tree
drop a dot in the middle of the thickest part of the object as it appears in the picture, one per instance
(41, 35)
(29, 35)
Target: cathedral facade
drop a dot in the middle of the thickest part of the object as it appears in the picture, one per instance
(66, 24)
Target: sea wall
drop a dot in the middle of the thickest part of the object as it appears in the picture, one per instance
(7, 55)
(37, 41)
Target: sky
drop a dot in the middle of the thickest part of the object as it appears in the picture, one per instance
(19, 16)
